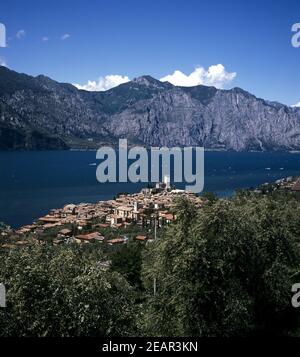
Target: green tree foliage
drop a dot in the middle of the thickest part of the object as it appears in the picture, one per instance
(225, 271)
(210, 197)
(54, 291)
(127, 260)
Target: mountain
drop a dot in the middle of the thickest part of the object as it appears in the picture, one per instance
(39, 113)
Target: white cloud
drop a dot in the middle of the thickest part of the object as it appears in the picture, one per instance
(296, 105)
(216, 76)
(104, 83)
(3, 62)
(45, 39)
(21, 34)
(65, 36)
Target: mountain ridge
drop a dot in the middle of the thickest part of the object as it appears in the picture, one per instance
(41, 113)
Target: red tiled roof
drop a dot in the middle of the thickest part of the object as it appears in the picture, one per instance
(116, 241)
(65, 231)
(141, 238)
(49, 219)
(89, 236)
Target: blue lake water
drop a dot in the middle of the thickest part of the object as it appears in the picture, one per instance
(32, 183)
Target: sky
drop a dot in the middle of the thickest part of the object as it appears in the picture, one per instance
(99, 44)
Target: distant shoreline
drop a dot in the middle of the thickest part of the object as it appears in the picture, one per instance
(56, 178)
(148, 148)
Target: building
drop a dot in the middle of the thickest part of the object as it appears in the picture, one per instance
(115, 220)
(89, 238)
(116, 241)
(64, 233)
(167, 182)
(124, 212)
(296, 186)
(141, 238)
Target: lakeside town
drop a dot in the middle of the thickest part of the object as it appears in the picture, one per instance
(135, 216)
(113, 222)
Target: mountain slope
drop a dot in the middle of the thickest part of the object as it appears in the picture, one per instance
(39, 113)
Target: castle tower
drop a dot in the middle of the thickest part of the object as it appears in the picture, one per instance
(167, 181)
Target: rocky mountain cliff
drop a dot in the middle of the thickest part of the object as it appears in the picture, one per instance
(39, 113)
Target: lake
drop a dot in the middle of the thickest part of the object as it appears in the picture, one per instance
(32, 183)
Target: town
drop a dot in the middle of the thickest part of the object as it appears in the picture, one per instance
(286, 184)
(129, 216)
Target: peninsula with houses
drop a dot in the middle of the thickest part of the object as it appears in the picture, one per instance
(127, 217)
(113, 222)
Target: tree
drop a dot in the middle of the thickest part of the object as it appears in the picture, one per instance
(61, 291)
(128, 261)
(226, 271)
(210, 197)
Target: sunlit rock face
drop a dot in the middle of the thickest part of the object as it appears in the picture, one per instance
(39, 113)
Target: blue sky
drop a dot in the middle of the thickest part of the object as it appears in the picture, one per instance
(157, 37)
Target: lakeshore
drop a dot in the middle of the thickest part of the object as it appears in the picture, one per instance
(32, 183)
(137, 216)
